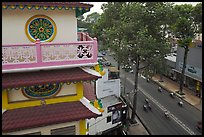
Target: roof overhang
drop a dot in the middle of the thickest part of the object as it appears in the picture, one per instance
(80, 8)
(25, 79)
(38, 116)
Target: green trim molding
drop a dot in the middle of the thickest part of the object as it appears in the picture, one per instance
(78, 10)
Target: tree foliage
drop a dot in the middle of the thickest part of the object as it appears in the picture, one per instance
(188, 22)
(197, 14)
(138, 32)
(92, 18)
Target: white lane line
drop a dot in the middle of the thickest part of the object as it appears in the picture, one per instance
(164, 109)
(173, 116)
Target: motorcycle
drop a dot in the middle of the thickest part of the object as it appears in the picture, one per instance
(149, 106)
(166, 114)
(180, 103)
(160, 89)
(147, 100)
(145, 107)
(171, 95)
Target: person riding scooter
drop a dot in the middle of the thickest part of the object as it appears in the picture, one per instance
(166, 113)
(180, 103)
(171, 95)
(147, 100)
(160, 89)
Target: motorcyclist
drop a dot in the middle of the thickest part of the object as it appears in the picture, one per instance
(180, 103)
(166, 113)
(160, 89)
(171, 94)
(149, 106)
(147, 100)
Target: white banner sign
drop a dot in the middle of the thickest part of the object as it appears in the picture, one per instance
(107, 88)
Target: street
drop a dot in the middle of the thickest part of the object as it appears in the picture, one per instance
(182, 120)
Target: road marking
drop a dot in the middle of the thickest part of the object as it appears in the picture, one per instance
(164, 109)
(171, 115)
(142, 76)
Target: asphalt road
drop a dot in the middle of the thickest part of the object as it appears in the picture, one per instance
(182, 120)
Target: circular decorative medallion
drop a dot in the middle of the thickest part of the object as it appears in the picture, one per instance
(40, 27)
(41, 91)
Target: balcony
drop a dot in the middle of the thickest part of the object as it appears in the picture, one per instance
(37, 56)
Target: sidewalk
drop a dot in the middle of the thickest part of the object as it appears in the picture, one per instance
(172, 86)
(137, 129)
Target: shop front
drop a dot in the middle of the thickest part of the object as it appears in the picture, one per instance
(194, 84)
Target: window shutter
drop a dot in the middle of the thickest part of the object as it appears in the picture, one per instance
(71, 130)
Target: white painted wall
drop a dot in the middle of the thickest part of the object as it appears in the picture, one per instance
(46, 130)
(99, 124)
(14, 21)
(17, 95)
(105, 87)
(199, 36)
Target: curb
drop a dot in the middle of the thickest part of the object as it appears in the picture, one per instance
(156, 82)
(140, 120)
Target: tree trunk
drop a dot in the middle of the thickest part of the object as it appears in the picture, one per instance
(161, 78)
(183, 70)
(119, 69)
(135, 89)
(119, 60)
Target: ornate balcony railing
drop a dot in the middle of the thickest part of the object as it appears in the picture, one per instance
(22, 57)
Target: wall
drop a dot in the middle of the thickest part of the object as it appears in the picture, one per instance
(46, 129)
(100, 124)
(105, 87)
(17, 95)
(199, 36)
(14, 21)
(31, 103)
(194, 59)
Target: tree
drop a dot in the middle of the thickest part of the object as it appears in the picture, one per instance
(109, 30)
(141, 40)
(81, 23)
(136, 31)
(88, 22)
(114, 30)
(159, 13)
(187, 24)
(197, 14)
(92, 18)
